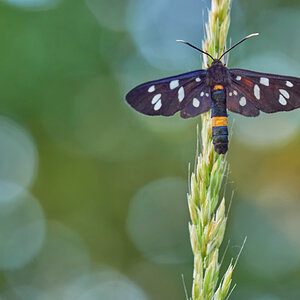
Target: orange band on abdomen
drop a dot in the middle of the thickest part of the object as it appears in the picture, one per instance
(218, 87)
(219, 121)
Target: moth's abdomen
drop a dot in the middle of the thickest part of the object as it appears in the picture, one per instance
(220, 134)
(219, 119)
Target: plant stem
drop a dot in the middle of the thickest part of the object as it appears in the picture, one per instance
(208, 219)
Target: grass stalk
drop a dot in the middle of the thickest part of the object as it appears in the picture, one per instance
(207, 211)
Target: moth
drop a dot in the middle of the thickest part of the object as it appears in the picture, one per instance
(218, 89)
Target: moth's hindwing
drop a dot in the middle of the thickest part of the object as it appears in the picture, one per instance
(237, 102)
(185, 92)
(200, 103)
(252, 91)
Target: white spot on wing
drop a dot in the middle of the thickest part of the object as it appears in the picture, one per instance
(264, 81)
(198, 79)
(238, 78)
(257, 92)
(201, 94)
(230, 94)
(243, 101)
(289, 84)
(155, 98)
(235, 92)
(174, 84)
(151, 89)
(196, 102)
(180, 94)
(284, 93)
(206, 94)
(158, 105)
(282, 100)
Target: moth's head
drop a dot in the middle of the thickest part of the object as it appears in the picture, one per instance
(216, 62)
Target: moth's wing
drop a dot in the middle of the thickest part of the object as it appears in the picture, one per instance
(200, 103)
(267, 92)
(238, 102)
(168, 95)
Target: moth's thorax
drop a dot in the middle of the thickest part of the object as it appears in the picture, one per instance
(217, 73)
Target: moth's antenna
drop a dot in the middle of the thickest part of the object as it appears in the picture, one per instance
(244, 39)
(180, 41)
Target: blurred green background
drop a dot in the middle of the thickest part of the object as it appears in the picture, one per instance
(93, 195)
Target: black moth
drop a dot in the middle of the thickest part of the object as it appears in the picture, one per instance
(217, 88)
